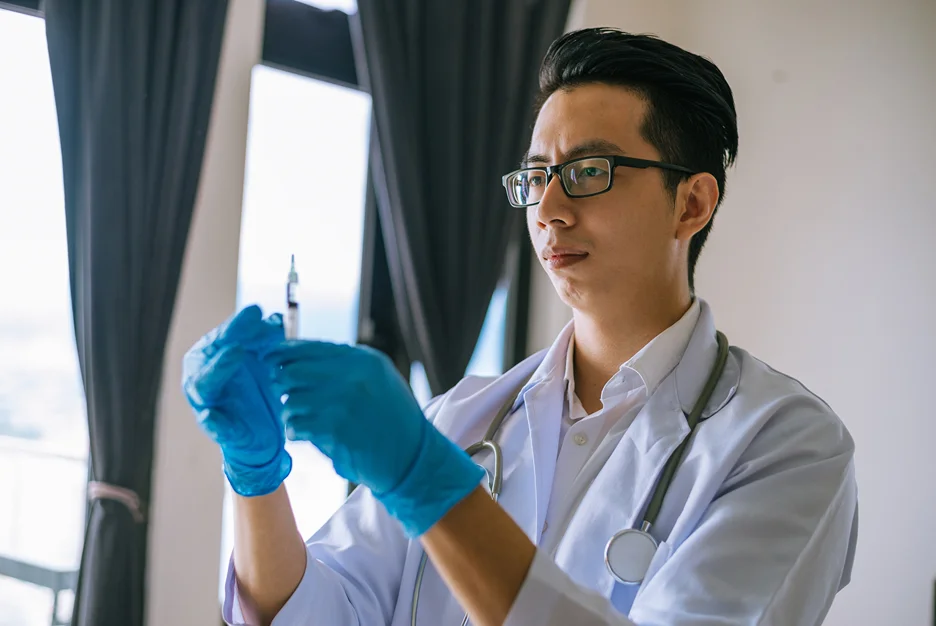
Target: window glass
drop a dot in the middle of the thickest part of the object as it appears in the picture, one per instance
(304, 196)
(43, 429)
(488, 356)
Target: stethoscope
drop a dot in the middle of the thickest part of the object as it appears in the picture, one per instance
(628, 553)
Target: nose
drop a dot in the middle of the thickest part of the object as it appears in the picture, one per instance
(555, 207)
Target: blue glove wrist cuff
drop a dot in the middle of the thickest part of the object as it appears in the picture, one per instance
(441, 477)
(250, 480)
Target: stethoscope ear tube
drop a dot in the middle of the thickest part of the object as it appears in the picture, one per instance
(669, 470)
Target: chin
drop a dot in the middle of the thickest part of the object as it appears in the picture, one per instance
(573, 293)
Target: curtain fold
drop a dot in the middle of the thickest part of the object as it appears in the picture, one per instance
(453, 85)
(134, 83)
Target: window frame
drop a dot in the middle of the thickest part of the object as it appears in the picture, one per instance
(29, 7)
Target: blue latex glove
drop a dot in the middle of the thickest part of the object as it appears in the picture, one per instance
(231, 393)
(354, 406)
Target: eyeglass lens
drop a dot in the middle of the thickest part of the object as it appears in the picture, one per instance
(583, 177)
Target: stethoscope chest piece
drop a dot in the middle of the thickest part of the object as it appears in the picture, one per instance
(628, 555)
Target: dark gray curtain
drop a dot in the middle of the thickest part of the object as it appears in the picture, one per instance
(453, 86)
(134, 82)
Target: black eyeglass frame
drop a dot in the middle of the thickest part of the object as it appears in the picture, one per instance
(614, 161)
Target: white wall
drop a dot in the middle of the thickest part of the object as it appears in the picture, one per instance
(188, 487)
(822, 260)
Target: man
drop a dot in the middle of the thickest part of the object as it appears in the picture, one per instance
(625, 171)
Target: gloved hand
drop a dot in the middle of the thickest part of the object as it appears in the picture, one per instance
(354, 406)
(230, 391)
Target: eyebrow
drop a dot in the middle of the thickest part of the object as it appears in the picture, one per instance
(591, 147)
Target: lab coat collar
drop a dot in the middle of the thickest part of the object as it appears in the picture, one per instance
(551, 362)
(694, 368)
(651, 364)
(677, 394)
(659, 357)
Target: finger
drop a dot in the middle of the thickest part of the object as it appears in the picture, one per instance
(294, 350)
(314, 374)
(320, 430)
(297, 381)
(242, 323)
(266, 337)
(206, 383)
(256, 333)
(336, 365)
(215, 424)
(308, 403)
(273, 334)
(235, 433)
(312, 416)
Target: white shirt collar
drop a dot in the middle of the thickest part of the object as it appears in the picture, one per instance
(652, 363)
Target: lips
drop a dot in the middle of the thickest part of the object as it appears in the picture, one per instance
(558, 258)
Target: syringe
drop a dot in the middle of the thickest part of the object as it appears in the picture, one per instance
(292, 301)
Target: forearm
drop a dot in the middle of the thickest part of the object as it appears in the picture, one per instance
(482, 555)
(269, 554)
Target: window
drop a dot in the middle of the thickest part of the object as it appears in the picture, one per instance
(43, 430)
(488, 356)
(304, 194)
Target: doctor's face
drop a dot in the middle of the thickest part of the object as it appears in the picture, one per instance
(623, 244)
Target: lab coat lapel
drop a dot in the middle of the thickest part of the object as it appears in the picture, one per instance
(621, 490)
(465, 415)
(544, 403)
(466, 419)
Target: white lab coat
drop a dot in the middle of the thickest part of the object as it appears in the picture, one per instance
(758, 527)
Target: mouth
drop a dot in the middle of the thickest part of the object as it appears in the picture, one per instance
(557, 259)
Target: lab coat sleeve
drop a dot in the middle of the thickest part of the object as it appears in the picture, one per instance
(354, 565)
(548, 597)
(353, 568)
(773, 547)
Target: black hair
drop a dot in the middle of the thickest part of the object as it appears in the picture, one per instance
(690, 118)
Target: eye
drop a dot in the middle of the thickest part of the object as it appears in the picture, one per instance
(536, 180)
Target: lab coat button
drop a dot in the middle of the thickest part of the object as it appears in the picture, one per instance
(580, 439)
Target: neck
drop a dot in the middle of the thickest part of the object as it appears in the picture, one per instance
(604, 341)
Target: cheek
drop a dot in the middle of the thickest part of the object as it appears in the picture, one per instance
(533, 229)
(633, 229)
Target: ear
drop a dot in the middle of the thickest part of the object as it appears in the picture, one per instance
(696, 199)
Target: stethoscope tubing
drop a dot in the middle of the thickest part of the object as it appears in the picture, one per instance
(495, 481)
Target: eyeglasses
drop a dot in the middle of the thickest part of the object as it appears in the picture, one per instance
(580, 178)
